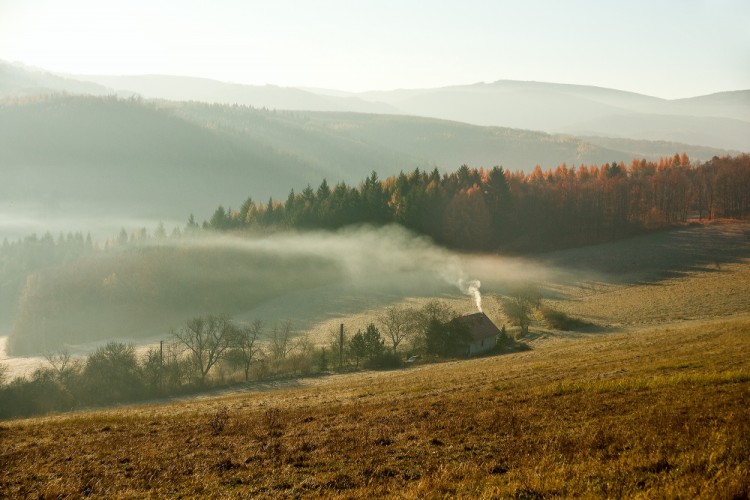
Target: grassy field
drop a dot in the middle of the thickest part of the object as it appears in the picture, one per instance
(652, 402)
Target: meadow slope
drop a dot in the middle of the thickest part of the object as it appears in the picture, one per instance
(660, 412)
(651, 402)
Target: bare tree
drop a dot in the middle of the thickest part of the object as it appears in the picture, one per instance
(3, 373)
(206, 340)
(61, 363)
(397, 323)
(281, 340)
(245, 345)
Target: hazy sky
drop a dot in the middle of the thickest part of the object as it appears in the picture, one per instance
(666, 48)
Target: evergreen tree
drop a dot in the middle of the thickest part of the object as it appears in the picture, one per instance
(358, 347)
(373, 341)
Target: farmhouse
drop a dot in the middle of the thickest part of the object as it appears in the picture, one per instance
(483, 332)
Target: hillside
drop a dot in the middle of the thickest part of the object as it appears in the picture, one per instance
(126, 157)
(17, 80)
(146, 291)
(321, 279)
(142, 290)
(347, 140)
(178, 88)
(719, 120)
(657, 412)
(731, 104)
(649, 400)
(92, 158)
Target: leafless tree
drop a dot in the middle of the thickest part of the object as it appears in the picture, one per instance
(397, 323)
(281, 340)
(206, 338)
(61, 363)
(246, 346)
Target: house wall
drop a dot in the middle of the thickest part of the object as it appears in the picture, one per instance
(477, 346)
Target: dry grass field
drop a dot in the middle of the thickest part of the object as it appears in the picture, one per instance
(654, 402)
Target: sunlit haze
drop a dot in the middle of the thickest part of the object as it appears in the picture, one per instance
(668, 49)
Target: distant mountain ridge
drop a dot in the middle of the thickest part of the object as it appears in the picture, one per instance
(70, 148)
(212, 91)
(585, 110)
(720, 120)
(17, 80)
(159, 159)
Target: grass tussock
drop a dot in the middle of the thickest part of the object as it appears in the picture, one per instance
(657, 413)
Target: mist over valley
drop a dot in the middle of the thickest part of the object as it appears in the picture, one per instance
(338, 250)
(113, 159)
(82, 163)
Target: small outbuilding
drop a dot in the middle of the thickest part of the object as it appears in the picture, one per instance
(483, 332)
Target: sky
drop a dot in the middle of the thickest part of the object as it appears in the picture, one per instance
(663, 48)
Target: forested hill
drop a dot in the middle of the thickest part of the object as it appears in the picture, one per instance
(718, 120)
(479, 209)
(68, 290)
(162, 160)
(116, 156)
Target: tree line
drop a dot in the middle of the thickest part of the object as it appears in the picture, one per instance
(213, 350)
(494, 209)
(19, 259)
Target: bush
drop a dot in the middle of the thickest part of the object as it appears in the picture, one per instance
(43, 393)
(112, 375)
(386, 360)
(520, 304)
(561, 321)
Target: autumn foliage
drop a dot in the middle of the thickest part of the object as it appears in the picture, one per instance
(481, 209)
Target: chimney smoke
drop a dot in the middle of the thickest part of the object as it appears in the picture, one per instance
(471, 288)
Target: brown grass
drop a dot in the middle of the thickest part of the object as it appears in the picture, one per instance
(657, 407)
(697, 294)
(659, 412)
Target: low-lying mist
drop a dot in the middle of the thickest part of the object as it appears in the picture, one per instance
(144, 290)
(20, 220)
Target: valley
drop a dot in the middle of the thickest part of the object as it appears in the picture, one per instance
(376, 249)
(651, 401)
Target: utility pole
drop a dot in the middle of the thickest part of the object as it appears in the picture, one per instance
(161, 365)
(341, 346)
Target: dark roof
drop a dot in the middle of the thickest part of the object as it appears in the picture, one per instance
(480, 326)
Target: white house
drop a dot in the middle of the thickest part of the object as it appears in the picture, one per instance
(483, 332)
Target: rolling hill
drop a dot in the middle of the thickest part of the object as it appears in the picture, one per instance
(135, 159)
(18, 80)
(652, 404)
(112, 156)
(179, 88)
(720, 120)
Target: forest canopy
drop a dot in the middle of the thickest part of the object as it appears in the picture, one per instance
(494, 209)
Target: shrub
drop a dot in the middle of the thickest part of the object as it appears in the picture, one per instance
(112, 375)
(561, 321)
(385, 360)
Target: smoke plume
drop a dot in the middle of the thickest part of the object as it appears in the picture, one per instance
(471, 288)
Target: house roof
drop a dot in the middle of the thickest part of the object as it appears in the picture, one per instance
(480, 326)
